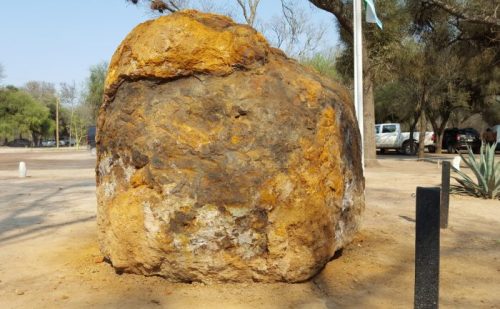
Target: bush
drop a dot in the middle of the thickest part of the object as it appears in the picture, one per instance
(487, 174)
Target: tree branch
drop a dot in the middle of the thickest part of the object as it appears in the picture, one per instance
(476, 19)
(249, 13)
(337, 8)
(161, 5)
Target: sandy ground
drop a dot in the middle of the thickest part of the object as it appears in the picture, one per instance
(49, 257)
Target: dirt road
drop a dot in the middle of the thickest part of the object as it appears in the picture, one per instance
(49, 256)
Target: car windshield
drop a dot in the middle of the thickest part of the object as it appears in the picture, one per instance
(389, 128)
(468, 131)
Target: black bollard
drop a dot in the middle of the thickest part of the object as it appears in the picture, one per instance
(427, 249)
(445, 194)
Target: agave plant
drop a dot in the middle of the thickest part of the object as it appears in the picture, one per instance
(487, 174)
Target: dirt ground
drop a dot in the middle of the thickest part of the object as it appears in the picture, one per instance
(49, 256)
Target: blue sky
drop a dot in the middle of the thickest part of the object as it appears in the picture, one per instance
(58, 40)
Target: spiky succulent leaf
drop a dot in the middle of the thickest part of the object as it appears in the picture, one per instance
(471, 162)
(486, 171)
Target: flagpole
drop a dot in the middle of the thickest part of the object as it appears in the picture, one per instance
(358, 72)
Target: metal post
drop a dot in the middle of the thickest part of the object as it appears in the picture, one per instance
(358, 72)
(445, 195)
(427, 249)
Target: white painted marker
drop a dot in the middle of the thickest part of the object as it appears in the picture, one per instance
(22, 169)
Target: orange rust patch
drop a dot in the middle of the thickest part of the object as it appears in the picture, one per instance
(205, 44)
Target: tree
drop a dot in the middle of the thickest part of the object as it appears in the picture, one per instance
(464, 37)
(395, 102)
(449, 95)
(295, 31)
(93, 93)
(42, 91)
(379, 49)
(21, 114)
(491, 112)
(82, 119)
(45, 93)
(68, 95)
(402, 94)
(458, 82)
(249, 10)
(475, 12)
(8, 125)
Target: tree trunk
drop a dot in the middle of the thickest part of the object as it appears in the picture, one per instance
(412, 138)
(439, 142)
(413, 125)
(71, 126)
(34, 139)
(77, 137)
(438, 134)
(70, 136)
(439, 129)
(421, 136)
(370, 148)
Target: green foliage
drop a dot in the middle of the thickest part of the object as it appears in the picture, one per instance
(94, 88)
(491, 111)
(486, 171)
(22, 114)
(381, 47)
(426, 58)
(80, 122)
(467, 38)
(393, 102)
(45, 93)
(323, 63)
(447, 93)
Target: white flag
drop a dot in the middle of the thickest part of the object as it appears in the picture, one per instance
(371, 15)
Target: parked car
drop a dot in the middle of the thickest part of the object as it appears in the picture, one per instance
(49, 143)
(455, 139)
(20, 142)
(70, 142)
(52, 143)
(389, 136)
(66, 142)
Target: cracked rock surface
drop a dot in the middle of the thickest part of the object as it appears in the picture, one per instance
(220, 159)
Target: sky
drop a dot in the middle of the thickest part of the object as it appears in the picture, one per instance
(58, 40)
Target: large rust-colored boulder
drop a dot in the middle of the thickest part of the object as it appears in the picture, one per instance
(220, 159)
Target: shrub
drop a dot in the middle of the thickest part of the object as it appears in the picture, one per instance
(487, 174)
